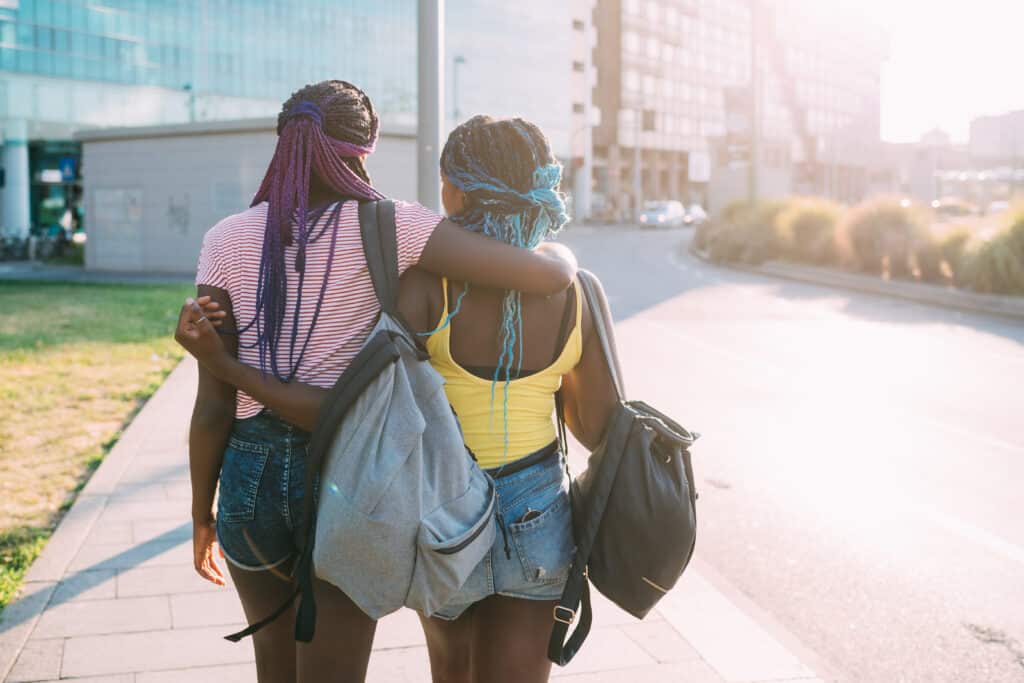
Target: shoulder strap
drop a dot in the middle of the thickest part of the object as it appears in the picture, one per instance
(602, 319)
(563, 327)
(575, 600)
(380, 245)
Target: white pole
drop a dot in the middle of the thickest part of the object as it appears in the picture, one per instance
(430, 101)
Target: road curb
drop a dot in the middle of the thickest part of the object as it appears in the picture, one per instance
(934, 295)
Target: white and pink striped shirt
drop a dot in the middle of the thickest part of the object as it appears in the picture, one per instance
(230, 260)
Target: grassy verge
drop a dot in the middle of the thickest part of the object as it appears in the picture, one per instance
(76, 363)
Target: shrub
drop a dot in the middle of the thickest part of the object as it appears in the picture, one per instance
(807, 230)
(953, 246)
(928, 258)
(882, 234)
(746, 233)
(997, 266)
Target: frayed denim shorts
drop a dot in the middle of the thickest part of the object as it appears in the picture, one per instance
(534, 546)
(261, 496)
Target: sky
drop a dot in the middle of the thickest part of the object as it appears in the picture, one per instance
(949, 61)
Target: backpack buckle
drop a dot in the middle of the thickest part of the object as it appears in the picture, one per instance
(564, 620)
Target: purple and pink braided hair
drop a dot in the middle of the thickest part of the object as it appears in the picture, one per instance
(324, 132)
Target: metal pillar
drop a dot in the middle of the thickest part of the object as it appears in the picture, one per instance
(15, 193)
(456, 113)
(755, 105)
(430, 104)
(638, 178)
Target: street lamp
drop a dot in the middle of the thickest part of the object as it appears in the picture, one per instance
(456, 63)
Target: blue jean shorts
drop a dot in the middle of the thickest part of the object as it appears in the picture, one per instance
(534, 546)
(261, 498)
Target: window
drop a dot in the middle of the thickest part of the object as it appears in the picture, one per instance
(578, 25)
(632, 80)
(578, 66)
(577, 108)
(632, 42)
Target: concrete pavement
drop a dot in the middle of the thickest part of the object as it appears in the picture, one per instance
(114, 597)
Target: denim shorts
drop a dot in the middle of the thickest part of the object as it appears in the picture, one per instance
(262, 482)
(534, 546)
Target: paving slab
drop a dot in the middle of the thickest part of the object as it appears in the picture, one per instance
(165, 580)
(234, 673)
(190, 610)
(95, 617)
(39, 660)
(151, 651)
(97, 584)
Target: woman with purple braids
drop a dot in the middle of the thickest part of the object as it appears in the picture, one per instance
(287, 282)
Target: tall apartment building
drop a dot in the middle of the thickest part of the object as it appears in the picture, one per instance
(676, 97)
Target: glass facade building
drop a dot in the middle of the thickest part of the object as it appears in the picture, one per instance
(66, 65)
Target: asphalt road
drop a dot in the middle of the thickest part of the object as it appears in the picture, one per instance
(861, 468)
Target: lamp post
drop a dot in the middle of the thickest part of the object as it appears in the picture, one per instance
(430, 95)
(456, 63)
(191, 102)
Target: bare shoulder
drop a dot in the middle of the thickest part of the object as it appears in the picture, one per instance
(419, 298)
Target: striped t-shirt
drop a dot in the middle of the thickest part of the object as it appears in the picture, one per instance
(230, 260)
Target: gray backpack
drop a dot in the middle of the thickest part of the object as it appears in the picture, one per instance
(404, 512)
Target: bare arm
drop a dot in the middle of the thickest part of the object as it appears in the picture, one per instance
(212, 418)
(462, 255)
(588, 393)
(296, 403)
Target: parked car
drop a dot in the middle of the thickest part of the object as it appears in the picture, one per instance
(695, 215)
(663, 214)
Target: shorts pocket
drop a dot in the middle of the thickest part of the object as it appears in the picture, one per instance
(452, 541)
(240, 475)
(544, 543)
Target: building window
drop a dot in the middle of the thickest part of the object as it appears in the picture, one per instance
(577, 108)
(578, 25)
(578, 66)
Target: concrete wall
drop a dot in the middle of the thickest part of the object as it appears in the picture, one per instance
(152, 193)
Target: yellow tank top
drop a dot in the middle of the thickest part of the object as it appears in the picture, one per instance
(531, 399)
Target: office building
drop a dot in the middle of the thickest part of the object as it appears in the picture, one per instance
(677, 100)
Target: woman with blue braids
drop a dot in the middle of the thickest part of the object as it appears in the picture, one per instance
(504, 354)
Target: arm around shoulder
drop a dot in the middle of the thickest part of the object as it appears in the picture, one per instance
(459, 254)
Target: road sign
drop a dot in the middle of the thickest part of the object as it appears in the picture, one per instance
(699, 167)
(68, 168)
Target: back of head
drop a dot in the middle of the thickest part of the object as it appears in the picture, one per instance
(325, 130)
(510, 177)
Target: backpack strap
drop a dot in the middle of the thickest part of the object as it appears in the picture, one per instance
(380, 246)
(602, 319)
(575, 600)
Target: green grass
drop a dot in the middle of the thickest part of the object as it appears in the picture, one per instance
(77, 361)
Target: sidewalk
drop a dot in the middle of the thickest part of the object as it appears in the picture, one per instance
(114, 597)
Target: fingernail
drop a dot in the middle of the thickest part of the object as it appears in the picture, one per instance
(190, 301)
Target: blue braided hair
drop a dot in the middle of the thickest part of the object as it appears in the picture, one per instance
(510, 177)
